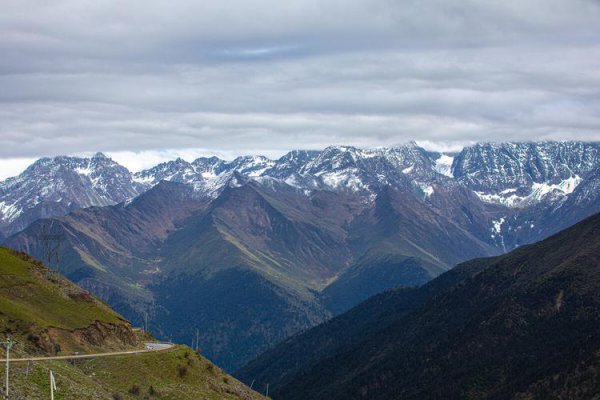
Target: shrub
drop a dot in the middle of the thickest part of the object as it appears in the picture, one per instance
(134, 390)
(182, 370)
(117, 396)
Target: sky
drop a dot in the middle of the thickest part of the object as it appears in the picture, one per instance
(149, 80)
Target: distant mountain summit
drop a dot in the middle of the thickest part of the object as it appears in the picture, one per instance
(56, 186)
(521, 174)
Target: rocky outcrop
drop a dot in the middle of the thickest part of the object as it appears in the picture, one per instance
(99, 335)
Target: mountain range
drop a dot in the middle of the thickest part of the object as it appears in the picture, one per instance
(254, 250)
(524, 325)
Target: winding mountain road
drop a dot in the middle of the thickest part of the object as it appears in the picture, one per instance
(150, 348)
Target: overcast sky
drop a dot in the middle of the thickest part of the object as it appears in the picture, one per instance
(148, 80)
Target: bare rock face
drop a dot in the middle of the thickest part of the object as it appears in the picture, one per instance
(107, 335)
(520, 173)
(99, 336)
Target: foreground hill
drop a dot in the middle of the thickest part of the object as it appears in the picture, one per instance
(47, 315)
(177, 374)
(523, 325)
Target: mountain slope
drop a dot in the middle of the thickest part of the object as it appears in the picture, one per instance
(177, 374)
(518, 174)
(280, 364)
(403, 240)
(111, 251)
(525, 326)
(190, 265)
(245, 272)
(48, 314)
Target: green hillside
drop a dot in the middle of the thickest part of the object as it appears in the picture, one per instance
(32, 293)
(46, 315)
(49, 314)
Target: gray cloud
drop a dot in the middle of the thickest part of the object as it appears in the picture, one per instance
(262, 76)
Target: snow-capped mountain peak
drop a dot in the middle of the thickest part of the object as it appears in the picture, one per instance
(54, 186)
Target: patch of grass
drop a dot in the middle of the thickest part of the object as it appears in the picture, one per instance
(35, 295)
(151, 375)
(89, 260)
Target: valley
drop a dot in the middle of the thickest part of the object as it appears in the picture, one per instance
(523, 325)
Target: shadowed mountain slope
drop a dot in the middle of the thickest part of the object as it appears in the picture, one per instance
(524, 325)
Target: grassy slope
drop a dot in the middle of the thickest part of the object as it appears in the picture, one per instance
(109, 378)
(38, 298)
(34, 298)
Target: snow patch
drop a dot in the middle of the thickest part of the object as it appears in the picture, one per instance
(258, 172)
(346, 179)
(539, 191)
(9, 212)
(292, 181)
(208, 175)
(145, 180)
(497, 225)
(408, 170)
(510, 201)
(497, 231)
(428, 190)
(443, 165)
(87, 171)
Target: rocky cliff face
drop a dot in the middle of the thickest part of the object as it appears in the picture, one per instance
(520, 174)
(98, 336)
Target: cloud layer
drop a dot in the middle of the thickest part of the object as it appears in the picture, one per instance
(264, 76)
